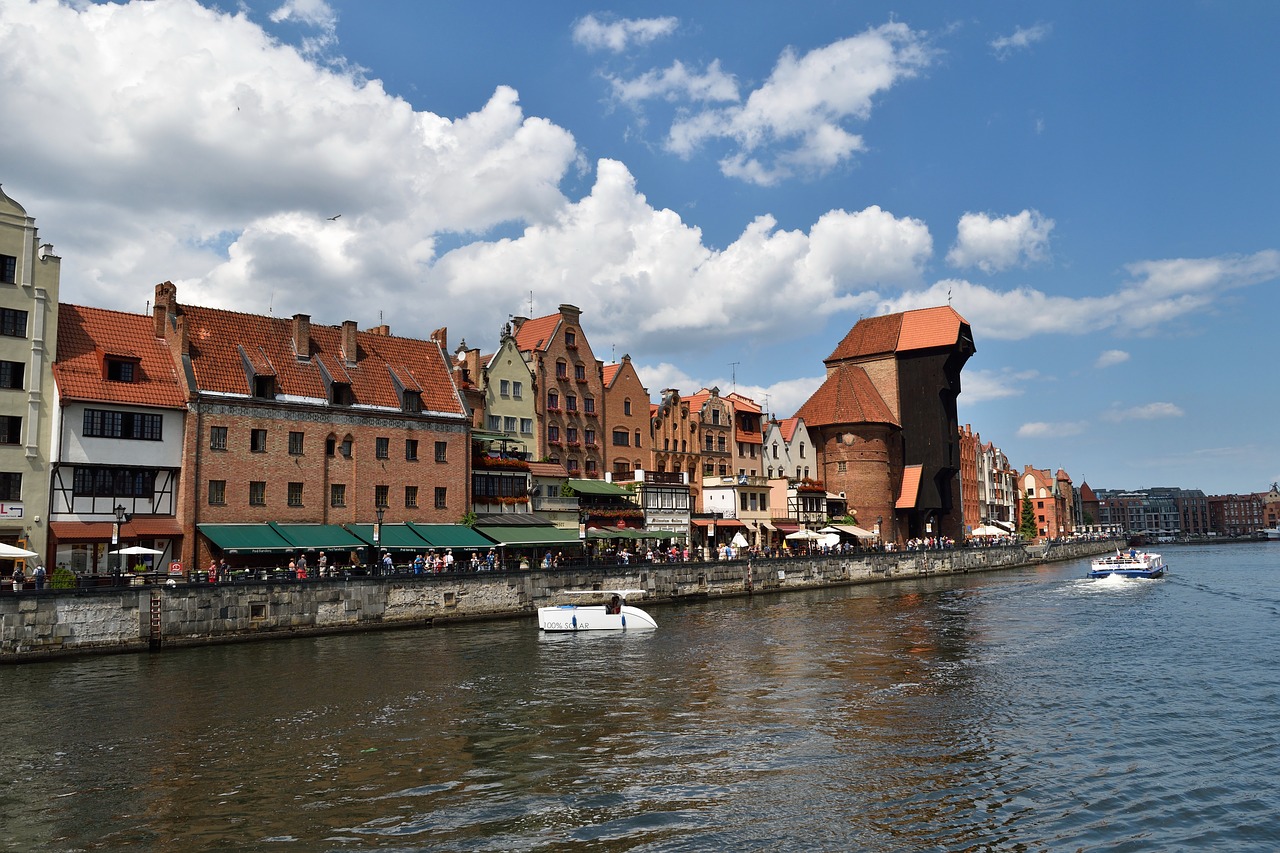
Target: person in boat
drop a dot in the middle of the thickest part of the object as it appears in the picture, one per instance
(615, 605)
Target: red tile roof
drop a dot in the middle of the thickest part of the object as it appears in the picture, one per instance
(536, 334)
(742, 403)
(787, 426)
(610, 373)
(846, 397)
(924, 328)
(548, 469)
(221, 341)
(910, 490)
(86, 336)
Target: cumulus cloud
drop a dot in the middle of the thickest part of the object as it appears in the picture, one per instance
(1111, 357)
(794, 123)
(677, 83)
(993, 244)
(616, 36)
(1147, 412)
(979, 386)
(1021, 39)
(1042, 429)
(312, 13)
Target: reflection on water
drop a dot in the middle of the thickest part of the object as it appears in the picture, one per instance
(1032, 710)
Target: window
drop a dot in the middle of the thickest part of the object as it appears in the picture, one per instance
(411, 401)
(562, 370)
(589, 436)
(340, 394)
(380, 495)
(495, 423)
(217, 493)
(295, 494)
(337, 494)
(708, 469)
(121, 370)
(571, 339)
(841, 467)
(571, 402)
(257, 493)
(626, 406)
(258, 441)
(553, 401)
(620, 438)
(637, 438)
(802, 450)
(526, 426)
(517, 390)
(589, 405)
(8, 269)
(442, 451)
(775, 450)
(411, 450)
(114, 482)
(571, 434)
(710, 443)
(720, 444)
(715, 416)
(10, 429)
(382, 447)
(742, 500)
(295, 443)
(504, 387)
(217, 438)
(509, 425)
(13, 322)
(410, 497)
(100, 423)
(11, 374)
(10, 486)
(264, 387)
(572, 466)
(580, 372)
(440, 497)
(591, 468)
(553, 433)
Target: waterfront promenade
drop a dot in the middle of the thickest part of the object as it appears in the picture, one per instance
(59, 623)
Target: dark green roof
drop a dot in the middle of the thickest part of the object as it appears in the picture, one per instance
(245, 538)
(512, 534)
(598, 487)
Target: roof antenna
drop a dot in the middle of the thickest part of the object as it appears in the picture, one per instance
(530, 303)
(271, 301)
(948, 294)
(733, 373)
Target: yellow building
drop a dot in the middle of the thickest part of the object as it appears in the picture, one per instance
(29, 275)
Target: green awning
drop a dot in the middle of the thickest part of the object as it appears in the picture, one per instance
(451, 536)
(394, 537)
(518, 534)
(245, 538)
(483, 435)
(321, 537)
(599, 487)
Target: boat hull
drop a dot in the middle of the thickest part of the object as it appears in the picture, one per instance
(592, 617)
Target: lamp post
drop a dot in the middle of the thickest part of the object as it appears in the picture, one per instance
(377, 536)
(115, 537)
(879, 521)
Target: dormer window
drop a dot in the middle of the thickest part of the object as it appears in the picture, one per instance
(264, 387)
(120, 369)
(411, 402)
(340, 394)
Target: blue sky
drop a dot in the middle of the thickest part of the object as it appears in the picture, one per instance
(724, 188)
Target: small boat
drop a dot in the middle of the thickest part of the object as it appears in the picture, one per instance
(1271, 532)
(614, 615)
(1133, 564)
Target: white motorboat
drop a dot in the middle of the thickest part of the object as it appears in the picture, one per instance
(1129, 564)
(1271, 532)
(613, 615)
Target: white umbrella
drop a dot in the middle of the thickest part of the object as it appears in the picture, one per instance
(988, 530)
(137, 549)
(804, 534)
(10, 552)
(739, 541)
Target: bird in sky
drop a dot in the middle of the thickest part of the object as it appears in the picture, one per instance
(334, 217)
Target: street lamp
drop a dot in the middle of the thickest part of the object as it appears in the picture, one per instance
(115, 536)
(377, 535)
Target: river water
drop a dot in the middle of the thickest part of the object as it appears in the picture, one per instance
(1018, 710)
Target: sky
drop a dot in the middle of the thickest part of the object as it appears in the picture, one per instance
(724, 189)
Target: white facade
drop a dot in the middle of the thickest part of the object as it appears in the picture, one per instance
(796, 459)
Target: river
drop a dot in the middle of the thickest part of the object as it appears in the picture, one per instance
(1020, 710)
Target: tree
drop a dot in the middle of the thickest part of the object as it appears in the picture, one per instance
(1027, 522)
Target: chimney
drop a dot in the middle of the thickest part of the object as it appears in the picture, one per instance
(349, 348)
(302, 336)
(571, 313)
(516, 323)
(159, 314)
(441, 337)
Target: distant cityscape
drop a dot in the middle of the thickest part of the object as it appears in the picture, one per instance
(193, 433)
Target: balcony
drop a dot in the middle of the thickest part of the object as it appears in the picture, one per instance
(555, 504)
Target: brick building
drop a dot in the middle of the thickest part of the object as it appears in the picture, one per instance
(970, 477)
(626, 409)
(1052, 498)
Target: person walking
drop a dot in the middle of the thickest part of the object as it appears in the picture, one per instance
(38, 574)
(18, 578)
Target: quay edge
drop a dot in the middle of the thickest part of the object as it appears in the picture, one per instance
(50, 624)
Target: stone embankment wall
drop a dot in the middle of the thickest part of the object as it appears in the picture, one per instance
(39, 625)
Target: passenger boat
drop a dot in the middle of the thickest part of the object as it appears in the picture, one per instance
(1133, 564)
(614, 615)
(1271, 532)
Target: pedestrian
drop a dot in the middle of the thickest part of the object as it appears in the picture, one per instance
(39, 576)
(387, 566)
(419, 564)
(18, 578)
(448, 560)
(322, 565)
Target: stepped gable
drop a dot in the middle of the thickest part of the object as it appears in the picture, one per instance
(88, 336)
(221, 341)
(925, 328)
(846, 397)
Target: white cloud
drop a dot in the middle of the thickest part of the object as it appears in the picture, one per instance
(677, 83)
(1147, 412)
(312, 13)
(793, 123)
(1021, 39)
(781, 399)
(1042, 429)
(1111, 357)
(993, 244)
(979, 386)
(616, 36)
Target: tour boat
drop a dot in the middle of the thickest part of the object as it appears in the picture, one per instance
(614, 615)
(1133, 564)
(1271, 532)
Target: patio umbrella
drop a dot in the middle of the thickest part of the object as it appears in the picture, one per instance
(988, 530)
(10, 552)
(804, 534)
(137, 549)
(739, 541)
